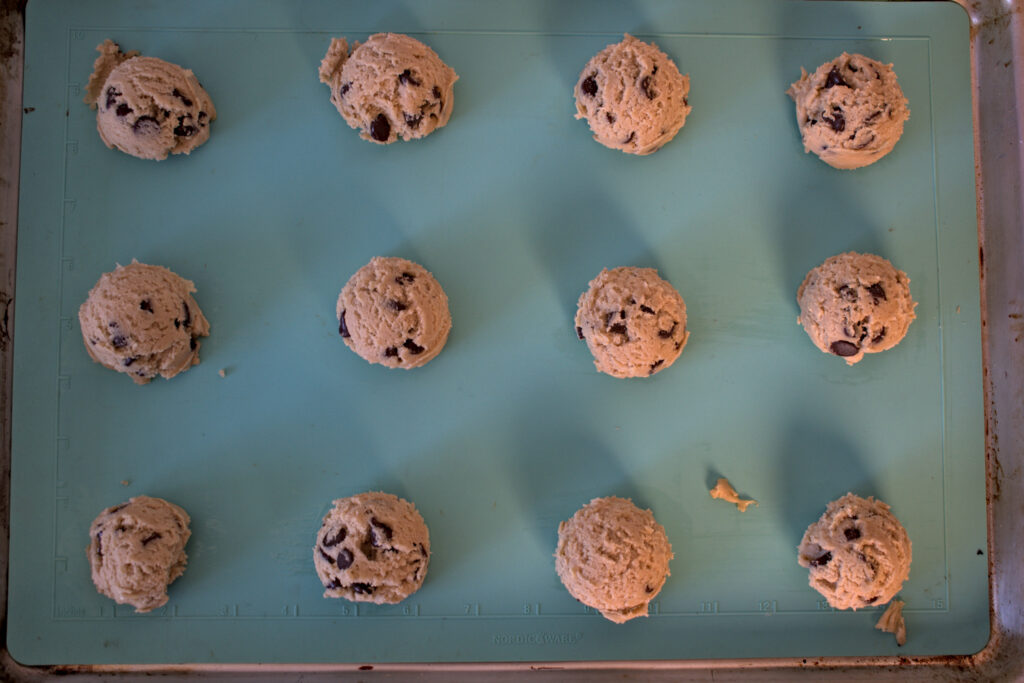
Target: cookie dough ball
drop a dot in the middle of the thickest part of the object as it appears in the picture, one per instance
(633, 97)
(373, 547)
(614, 557)
(392, 86)
(854, 304)
(137, 549)
(147, 107)
(394, 312)
(634, 322)
(850, 111)
(142, 320)
(858, 553)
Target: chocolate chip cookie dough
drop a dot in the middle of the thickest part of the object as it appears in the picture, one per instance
(373, 547)
(390, 87)
(137, 549)
(850, 111)
(142, 320)
(854, 304)
(393, 312)
(147, 107)
(858, 553)
(614, 557)
(633, 321)
(633, 96)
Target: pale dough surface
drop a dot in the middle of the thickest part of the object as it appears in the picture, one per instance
(858, 553)
(390, 87)
(393, 312)
(147, 107)
(614, 557)
(853, 304)
(372, 547)
(633, 321)
(632, 96)
(850, 111)
(142, 320)
(137, 549)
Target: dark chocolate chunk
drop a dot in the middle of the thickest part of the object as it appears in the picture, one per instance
(335, 583)
(177, 324)
(579, 332)
(412, 121)
(119, 341)
(834, 78)
(129, 361)
(852, 534)
(152, 537)
(608, 318)
(146, 125)
(406, 78)
(380, 128)
(396, 305)
(344, 89)
(414, 348)
(192, 343)
(648, 589)
(437, 93)
(324, 555)
(405, 278)
(655, 365)
(121, 528)
(184, 130)
(338, 538)
(202, 115)
(589, 85)
(610, 117)
(112, 96)
(379, 532)
(847, 293)
(837, 121)
(879, 337)
(630, 138)
(622, 314)
(184, 100)
(618, 328)
(188, 315)
(391, 352)
(342, 329)
(123, 109)
(345, 558)
(877, 292)
(645, 85)
(362, 588)
(874, 115)
(145, 305)
(99, 545)
(843, 348)
(665, 334)
(821, 560)
(646, 309)
(872, 601)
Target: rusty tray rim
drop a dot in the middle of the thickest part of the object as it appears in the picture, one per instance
(997, 76)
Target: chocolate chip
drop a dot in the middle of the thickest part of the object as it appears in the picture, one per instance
(412, 121)
(188, 315)
(395, 305)
(345, 558)
(202, 115)
(362, 588)
(648, 589)
(99, 545)
(152, 537)
(123, 109)
(645, 85)
(338, 538)
(380, 128)
(146, 125)
(618, 328)
(589, 85)
(183, 130)
(622, 314)
(852, 534)
(184, 100)
(192, 343)
(335, 583)
(871, 601)
(342, 329)
(129, 361)
(121, 528)
(843, 348)
(164, 114)
(177, 323)
(655, 365)
(665, 334)
(379, 532)
(119, 341)
(405, 278)
(872, 117)
(112, 96)
(608, 318)
(610, 117)
(646, 309)
(579, 332)
(437, 93)
(834, 78)
(630, 138)
(391, 352)
(877, 292)
(821, 560)
(847, 293)
(406, 77)
(326, 557)
(879, 337)
(838, 121)
(145, 305)
(414, 348)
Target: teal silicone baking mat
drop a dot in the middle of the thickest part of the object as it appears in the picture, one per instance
(514, 207)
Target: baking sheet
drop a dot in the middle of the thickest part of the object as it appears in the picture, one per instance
(514, 209)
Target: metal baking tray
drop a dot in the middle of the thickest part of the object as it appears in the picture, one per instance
(514, 208)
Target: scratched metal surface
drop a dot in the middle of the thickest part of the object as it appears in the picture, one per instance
(509, 430)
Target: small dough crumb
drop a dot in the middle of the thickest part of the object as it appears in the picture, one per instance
(892, 621)
(724, 491)
(126, 482)
(222, 372)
